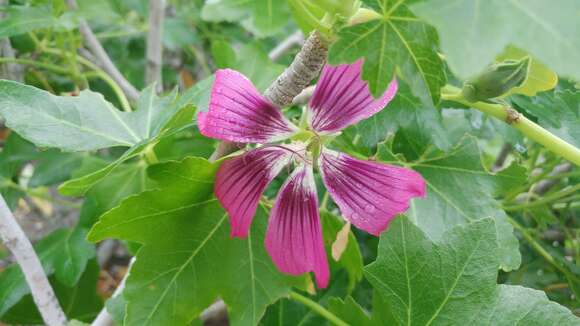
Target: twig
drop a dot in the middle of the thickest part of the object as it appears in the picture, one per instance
(104, 318)
(294, 39)
(501, 157)
(104, 61)
(105, 251)
(304, 96)
(11, 70)
(15, 240)
(154, 53)
(543, 186)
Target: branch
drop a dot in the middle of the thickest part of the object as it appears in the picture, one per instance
(305, 67)
(104, 61)
(304, 96)
(543, 186)
(501, 157)
(104, 318)
(15, 240)
(154, 53)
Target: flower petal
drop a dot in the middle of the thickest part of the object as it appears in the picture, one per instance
(294, 236)
(238, 113)
(369, 194)
(241, 181)
(342, 98)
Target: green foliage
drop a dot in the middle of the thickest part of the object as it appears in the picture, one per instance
(423, 122)
(473, 33)
(559, 112)
(64, 253)
(79, 301)
(397, 44)
(82, 123)
(261, 17)
(453, 280)
(176, 277)
(459, 190)
(144, 179)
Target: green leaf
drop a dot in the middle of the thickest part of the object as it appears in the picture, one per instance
(223, 54)
(13, 155)
(558, 112)
(127, 180)
(453, 281)
(23, 19)
(54, 166)
(405, 112)
(539, 78)
(64, 253)
(80, 185)
(307, 14)
(460, 190)
(254, 63)
(261, 17)
(198, 95)
(177, 33)
(161, 117)
(350, 311)
(400, 44)
(81, 123)
(473, 33)
(79, 301)
(175, 277)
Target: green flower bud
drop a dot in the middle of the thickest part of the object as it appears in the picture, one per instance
(496, 80)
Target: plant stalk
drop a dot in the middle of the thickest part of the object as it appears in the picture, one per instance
(317, 308)
(518, 121)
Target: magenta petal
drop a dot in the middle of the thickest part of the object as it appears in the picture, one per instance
(342, 98)
(241, 181)
(369, 194)
(294, 236)
(238, 113)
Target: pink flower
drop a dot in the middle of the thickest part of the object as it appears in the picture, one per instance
(369, 194)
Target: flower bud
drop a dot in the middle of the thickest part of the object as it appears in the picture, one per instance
(496, 80)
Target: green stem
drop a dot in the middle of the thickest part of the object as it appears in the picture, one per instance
(324, 204)
(150, 156)
(97, 72)
(314, 306)
(541, 251)
(520, 122)
(47, 66)
(545, 200)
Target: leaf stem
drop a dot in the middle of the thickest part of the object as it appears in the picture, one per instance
(544, 200)
(518, 121)
(47, 66)
(314, 306)
(541, 251)
(97, 72)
